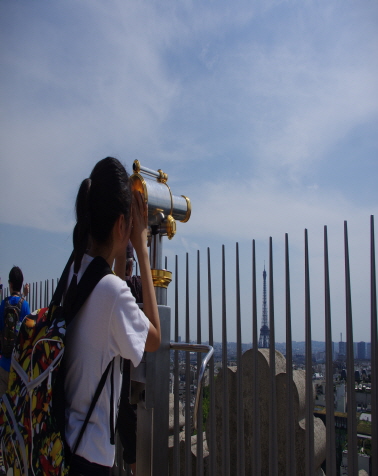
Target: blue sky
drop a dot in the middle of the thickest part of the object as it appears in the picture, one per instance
(264, 113)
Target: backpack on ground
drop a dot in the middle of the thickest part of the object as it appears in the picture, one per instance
(31, 439)
(11, 319)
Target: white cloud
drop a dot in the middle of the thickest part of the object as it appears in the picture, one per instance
(242, 106)
(70, 101)
(209, 92)
(247, 208)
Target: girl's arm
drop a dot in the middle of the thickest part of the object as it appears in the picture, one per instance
(138, 238)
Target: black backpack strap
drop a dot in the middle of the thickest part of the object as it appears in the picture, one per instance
(18, 305)
(93, 404)
(96, 270)
(20, 301)
(61, 287)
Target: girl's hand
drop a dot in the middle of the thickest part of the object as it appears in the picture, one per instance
(138, 234)
(138, 239)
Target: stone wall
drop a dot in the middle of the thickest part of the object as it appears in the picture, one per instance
(264, 396)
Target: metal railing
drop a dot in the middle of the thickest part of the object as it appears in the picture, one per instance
(209, 455)
(219, 457)
(209, 353)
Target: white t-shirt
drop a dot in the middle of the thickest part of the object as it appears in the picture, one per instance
(110, 324)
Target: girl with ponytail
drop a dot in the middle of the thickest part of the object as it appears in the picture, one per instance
(110, 324)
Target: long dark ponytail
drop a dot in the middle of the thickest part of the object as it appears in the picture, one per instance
(101, 199)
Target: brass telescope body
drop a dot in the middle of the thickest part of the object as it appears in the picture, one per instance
(164, 209)
(162, 204)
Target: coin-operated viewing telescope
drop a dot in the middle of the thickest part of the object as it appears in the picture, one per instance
(150, 380)
(164, 209)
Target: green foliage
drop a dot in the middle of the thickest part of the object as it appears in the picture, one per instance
(205, 404)
(364, 427)
(367, 447)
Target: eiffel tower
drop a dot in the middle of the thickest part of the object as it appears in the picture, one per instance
(264, 330)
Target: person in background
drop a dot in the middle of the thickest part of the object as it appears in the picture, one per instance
(21, 309)
(110, 325)
(134, 282)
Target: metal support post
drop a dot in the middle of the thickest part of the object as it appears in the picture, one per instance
(153, 411)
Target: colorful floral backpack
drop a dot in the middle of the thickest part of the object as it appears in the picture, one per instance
(31, 435)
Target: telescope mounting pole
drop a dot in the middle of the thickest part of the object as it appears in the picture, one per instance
(153, 408)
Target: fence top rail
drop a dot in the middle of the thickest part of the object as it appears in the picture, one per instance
(196, 348)
(191, 347)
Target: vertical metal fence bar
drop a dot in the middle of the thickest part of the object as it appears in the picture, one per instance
(40, 295)
(256, 450)
(176, 440)
(211, 426)
(52, 288)
(374, 353)
(330, 414)
(351, 397)
(273, 445)
(290, 428)
(309, 387)
(225, 416)
(239, 376)
(188, 427)
(199, 360)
